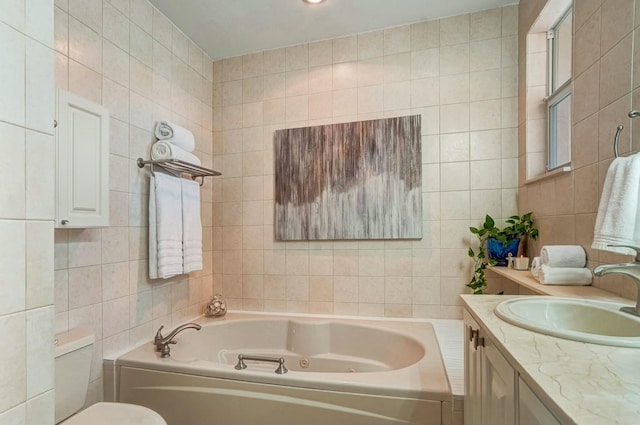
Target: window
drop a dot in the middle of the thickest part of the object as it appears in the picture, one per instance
(559, 45)
(548, 91)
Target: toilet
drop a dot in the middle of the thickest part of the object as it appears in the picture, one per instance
(72, 369)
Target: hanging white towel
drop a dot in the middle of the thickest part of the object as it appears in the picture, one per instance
(165, 226)
(191, 226)
(175, 134)
(564, 275)
(563, 256)
(163, 149)
(618, 221)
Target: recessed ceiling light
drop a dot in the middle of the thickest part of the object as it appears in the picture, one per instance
(313, 1)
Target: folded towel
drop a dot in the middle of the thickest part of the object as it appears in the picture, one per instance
(177, 135)
(191, 227)
(564, 275)
(536, 263)
(165, 226)
(563, 256)
(618, 221)
(163, 149)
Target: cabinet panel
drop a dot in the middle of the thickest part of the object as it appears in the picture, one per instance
(499, 386)
(531, 411)
(472, 374)
(82, 163)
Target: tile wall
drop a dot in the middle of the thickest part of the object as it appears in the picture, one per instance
(127, 56)
(459, 73)
(604, 90)
(26, 212)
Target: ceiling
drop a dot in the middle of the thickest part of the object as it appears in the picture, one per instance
(228, 28)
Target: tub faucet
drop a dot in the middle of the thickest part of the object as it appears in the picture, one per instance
(631, 269)
(162, 342)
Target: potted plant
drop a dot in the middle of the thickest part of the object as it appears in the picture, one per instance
(496, 244)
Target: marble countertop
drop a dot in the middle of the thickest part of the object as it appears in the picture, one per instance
(581, 383)
(526, 279)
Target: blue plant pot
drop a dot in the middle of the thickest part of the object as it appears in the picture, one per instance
(499, 251)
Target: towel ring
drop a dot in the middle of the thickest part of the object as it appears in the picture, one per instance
(616, 139)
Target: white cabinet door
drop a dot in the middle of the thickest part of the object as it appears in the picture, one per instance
(472, 373)
(489, 380)
(82, 162)
(531, 411)
(499, 382)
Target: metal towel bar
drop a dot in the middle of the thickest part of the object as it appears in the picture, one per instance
(280, 370)
(177, 167)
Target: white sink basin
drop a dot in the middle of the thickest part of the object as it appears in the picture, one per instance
(597, 322)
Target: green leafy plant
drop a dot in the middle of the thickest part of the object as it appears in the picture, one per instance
(517, 227)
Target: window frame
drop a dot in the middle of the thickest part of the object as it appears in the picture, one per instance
(557, 92)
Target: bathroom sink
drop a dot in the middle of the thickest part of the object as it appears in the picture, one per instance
(597, 322)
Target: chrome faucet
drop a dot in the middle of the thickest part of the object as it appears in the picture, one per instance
(162, 342)
(631, 269)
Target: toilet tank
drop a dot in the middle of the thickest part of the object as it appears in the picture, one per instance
(72, 370)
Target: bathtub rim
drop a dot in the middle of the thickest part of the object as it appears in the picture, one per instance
(427, 379)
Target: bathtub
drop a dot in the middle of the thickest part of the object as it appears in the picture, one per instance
(340, 371)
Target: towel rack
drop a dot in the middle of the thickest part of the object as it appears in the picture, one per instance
(176, 166)
(632, 114)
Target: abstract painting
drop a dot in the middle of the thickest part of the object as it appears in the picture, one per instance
(358, 180)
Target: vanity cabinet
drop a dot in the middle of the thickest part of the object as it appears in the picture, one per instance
(531, 411)
(489, 380)
(82, 162)
(494, 392)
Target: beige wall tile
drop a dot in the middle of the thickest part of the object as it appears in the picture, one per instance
(14, 386)
(454, 30)
(485, 24)
(425, 35)
(454, 59)
(370, 45)
(617, 18)
(397, 40)
(12, 149)
(12, 106)
(615, 71)
(587, 44)
(345, 49)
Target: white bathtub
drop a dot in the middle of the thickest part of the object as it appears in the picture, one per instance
(341, 371)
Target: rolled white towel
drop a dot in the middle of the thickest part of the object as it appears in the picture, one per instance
(177, 135)
(536, 263)
(163, 149)
(576, 276)
(563, 256)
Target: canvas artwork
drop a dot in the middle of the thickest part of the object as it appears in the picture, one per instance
(358, 180)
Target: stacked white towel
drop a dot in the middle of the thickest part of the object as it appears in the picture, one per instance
(563, 256)
(191, 226)
(163, 149)
(618, 219)
(176, 135)
(565, 276)
(563, 265)
(536, 264)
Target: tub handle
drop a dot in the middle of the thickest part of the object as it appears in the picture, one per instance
(281, 369)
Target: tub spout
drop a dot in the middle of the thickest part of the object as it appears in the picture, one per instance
(162, 342)
(630, 269)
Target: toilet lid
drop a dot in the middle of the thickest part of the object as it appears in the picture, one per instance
(115, 413)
